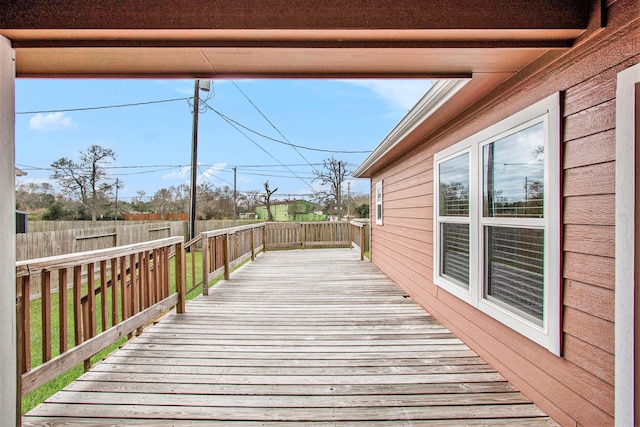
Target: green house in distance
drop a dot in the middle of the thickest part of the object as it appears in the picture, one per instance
(291, 210)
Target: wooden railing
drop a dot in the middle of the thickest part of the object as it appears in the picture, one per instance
(133, 286)
(116, 291)
(359, 236)
(223, 249)
(300, 235)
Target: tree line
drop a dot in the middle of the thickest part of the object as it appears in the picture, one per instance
(87, 192)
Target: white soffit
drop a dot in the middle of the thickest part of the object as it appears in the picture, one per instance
(439, 93)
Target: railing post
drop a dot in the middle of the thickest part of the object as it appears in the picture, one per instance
(303, 235)
(253, 244)
(264, 237)
(350, 235)
(225, 252)
(181, 277)
(362, 240)
(205, 264)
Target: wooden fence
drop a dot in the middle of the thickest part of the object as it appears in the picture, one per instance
(133, 291)
(65, 237)
(52, 243)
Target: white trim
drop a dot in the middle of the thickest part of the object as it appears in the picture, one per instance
(546, 111)
(627, 117)
(8, 378)
(443, 281)
(379, 202)
(437, 95)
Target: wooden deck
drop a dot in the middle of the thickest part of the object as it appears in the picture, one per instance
(313, 336)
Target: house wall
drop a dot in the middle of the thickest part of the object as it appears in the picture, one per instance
(577, 388)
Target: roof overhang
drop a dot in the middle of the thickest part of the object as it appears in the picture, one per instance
(284, 38)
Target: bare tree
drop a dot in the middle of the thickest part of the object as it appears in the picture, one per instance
(331, 176)
(86, 179)
(266, 199)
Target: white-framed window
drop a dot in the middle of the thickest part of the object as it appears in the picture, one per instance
(497, 225)
(379, 202)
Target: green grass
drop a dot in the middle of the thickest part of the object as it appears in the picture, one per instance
(38, 396)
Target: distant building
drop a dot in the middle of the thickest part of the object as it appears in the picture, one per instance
(293, 210)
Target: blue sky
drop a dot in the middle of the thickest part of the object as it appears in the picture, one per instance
(153, 141)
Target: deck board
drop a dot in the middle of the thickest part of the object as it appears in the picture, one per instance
(313, 336)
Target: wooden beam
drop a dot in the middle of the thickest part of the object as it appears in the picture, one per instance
(284, 14)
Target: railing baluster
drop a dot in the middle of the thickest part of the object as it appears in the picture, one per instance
(91, 299)
(143, 280)
(45, 299)
(86, 329)
(63, 310)
(126, 285)
(114, 291)
(103, 294)
(77, 309)
(205, 265)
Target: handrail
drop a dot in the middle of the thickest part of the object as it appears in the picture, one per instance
(231, 230)
(137, 279)
(225, 248)
(361, 236)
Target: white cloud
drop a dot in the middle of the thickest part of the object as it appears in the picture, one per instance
(51, 121)
(402, 94)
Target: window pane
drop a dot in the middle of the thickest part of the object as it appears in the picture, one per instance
(514, 269)
(378, 212)
(455, 252)
(454, 186)
(513, 174)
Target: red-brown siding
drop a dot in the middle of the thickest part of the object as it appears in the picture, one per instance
(577, 388)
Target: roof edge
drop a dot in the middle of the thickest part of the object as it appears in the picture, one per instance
(437, 95)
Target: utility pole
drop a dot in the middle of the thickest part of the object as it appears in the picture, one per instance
(349, 198)
(235, 194)
(194, 161)
(115, 215)
(339, 190)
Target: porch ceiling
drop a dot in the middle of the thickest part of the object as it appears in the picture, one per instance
(284, 38)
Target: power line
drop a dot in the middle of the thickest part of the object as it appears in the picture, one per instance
(135, 104)
(104, 107)
(263, 149)
(270, 122)
(234, 122)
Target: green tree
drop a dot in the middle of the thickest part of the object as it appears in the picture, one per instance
(362, 210)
